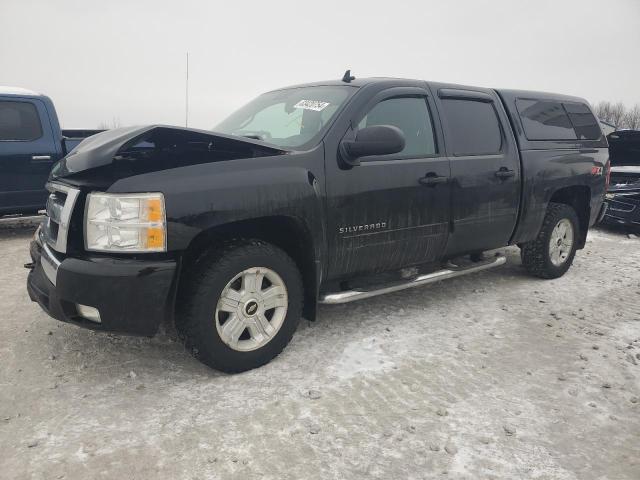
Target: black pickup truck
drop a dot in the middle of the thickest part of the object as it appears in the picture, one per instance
(321, 193)
(30, 143)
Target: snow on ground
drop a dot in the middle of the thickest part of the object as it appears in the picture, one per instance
(496, 375)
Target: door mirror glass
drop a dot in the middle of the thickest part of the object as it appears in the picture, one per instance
(375, 140)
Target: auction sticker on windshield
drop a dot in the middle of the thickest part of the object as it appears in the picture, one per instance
(315, 105)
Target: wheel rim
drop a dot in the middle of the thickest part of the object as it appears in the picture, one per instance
(561, 242)
(251, 309)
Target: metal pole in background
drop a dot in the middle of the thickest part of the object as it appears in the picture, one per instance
(186, 100)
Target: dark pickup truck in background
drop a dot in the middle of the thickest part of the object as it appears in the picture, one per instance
(319, 193)
(623, 195)
(30, 143)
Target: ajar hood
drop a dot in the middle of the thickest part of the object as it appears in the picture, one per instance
(124, 152)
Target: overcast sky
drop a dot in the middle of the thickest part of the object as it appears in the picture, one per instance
(106, 59)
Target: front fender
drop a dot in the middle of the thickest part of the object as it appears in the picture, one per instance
(204, 196)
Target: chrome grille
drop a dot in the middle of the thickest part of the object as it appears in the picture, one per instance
(619, 205)
(55, 204)
(59, 209)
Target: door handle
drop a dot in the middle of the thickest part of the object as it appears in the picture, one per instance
(504, 172)
(41, 158)
(432, 179)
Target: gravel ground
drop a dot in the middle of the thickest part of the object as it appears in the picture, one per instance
(495, 376)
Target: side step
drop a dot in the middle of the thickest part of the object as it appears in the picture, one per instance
(353, 295)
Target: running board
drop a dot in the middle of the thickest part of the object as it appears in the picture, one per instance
(353, 295)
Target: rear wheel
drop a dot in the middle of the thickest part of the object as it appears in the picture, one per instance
(241, 306)
(551, 254)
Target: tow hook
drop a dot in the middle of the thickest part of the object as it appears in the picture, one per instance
(30, 265)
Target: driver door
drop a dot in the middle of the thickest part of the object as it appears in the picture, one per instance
(388, 212)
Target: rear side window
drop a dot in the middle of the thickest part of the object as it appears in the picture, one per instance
(409, 114)
(473, 127)
(545, 120)
(19, 121)
(584, 123)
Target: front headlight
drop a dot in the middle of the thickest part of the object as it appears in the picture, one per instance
(127, 222)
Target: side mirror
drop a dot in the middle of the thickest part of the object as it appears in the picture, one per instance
(375, 140)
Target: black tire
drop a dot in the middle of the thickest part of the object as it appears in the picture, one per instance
(535, 254)
(195, 316)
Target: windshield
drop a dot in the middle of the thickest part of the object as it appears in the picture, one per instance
(291, 118)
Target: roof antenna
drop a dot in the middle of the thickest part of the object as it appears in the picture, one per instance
(347, 77)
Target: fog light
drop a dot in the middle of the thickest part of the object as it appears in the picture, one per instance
(89, 313)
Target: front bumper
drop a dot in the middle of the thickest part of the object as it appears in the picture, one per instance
(132, 296)
(624, 209)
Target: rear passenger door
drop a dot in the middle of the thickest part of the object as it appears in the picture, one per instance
(485, 170)
(27, 152)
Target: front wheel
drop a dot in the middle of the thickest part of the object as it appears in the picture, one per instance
(552, 252)
(241, 306)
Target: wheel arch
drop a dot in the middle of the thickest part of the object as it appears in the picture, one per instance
(291, 234)
(577, 197)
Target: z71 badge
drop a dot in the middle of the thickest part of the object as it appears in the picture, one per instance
(363, 228)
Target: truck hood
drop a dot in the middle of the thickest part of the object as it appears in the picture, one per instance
(123, 152)
(624, 148)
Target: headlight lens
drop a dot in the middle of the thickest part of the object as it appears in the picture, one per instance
(131, 222)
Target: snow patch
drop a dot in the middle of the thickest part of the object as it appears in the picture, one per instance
(361, 357)
(597, 235)
(80, 455)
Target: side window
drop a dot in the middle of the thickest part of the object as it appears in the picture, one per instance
(583, 121)
(409, 114)
(545, 120)
(19, 121)
(473, 127)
